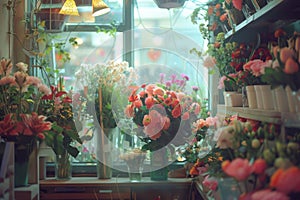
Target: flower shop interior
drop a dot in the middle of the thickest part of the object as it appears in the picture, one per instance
(150, 99)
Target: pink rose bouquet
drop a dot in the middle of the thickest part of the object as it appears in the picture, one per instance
(163, 112)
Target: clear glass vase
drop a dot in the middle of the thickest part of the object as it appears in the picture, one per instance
(63, 167)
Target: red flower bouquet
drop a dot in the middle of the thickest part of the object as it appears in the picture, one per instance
(163, 112)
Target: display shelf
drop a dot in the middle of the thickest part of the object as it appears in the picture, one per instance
(291, 120)
(263, 18)
(115, 188)
(269, 116)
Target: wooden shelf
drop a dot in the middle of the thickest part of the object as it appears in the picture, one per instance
(115, 188)
(276, 11)
(269, 116)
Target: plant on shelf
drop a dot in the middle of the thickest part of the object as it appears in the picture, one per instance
(258, 162)
(211, 17)
(285, 66)
(20, 121)
(63, 136)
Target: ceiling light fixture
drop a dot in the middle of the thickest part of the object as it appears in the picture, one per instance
(99, 8)
(169, 3)
(69, 8)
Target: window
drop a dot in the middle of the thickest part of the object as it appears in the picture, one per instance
(149, 38)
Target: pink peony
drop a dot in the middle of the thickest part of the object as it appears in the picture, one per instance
(224, 137)
(291, 66)
(157, 122)
(212, 121)
(239, 168)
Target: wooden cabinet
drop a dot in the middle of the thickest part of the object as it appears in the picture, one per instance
(116, 189)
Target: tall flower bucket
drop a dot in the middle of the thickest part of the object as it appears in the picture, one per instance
(159, 164)
(251, 96)
(22, 153)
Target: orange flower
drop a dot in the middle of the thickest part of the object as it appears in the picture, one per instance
(167, 123)
(129, 111)
(291, 66)
(284, 180)
(218, 6)
(210, 10)
(138, 103)
(176, 112)
(279, 32)
(223, 17)
(149, 101)
(146, 120)
(286, 53)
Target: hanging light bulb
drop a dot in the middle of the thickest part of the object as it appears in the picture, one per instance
(99, 8)
(69, 8)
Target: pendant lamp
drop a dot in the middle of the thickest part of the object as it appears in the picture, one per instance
(99, 8)
(69, 8)
(169, 3)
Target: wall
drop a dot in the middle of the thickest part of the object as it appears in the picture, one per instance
(12, 31)
(4, 37)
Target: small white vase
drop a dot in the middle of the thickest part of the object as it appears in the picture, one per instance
(251, 96)
(280, 99)
(233, 99)
(258, 95)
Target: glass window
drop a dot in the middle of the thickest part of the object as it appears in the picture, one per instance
(159, 41)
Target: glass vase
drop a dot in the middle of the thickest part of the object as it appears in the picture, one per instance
(63, 167)
(228, 189)
(159, 165)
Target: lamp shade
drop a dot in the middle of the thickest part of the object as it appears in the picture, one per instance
(100, 8)
(169, 3)
(69, 8)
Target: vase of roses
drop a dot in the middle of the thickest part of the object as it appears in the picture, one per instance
(163, 113)
(20, 122)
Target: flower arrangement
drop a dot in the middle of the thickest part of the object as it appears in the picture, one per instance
(285, 64)
(163, 112)
(19, 101)
(254, 156)
(99, 82)
(63, 135)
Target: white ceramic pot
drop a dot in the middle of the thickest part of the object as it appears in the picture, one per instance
(267, 97)
(293, 98)
(258, 95)
(251, 96)
(233, 99)
(280, 99)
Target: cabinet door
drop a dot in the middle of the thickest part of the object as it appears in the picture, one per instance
(165, 192)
